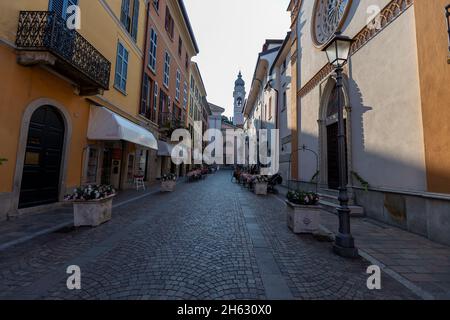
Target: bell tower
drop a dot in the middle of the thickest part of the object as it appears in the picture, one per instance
(239, 99)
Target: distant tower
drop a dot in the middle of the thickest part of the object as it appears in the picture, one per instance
(239, 98)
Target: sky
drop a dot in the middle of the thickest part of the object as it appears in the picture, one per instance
(230, 34)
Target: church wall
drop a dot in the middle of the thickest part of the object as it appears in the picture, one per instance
(383, 87)
(387, 135)
(388, 95)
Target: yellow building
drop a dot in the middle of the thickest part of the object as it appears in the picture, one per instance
(62, 87)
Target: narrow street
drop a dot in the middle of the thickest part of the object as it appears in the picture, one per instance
(207, 240)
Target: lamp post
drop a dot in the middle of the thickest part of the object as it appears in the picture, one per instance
(338, 50)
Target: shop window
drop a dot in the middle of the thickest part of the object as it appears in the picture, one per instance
(92, 166)
(141, 163)
(130, 168)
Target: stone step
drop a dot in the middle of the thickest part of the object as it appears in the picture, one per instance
(329, 197)
(355, 211)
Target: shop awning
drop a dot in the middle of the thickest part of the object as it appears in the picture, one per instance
(164, 149)
(107, 125)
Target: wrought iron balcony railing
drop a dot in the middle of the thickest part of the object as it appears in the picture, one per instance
(76, 58)
(167, 120)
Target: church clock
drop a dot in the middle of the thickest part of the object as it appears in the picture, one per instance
(328, 17)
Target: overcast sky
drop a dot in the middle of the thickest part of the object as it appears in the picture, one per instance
(230, 34)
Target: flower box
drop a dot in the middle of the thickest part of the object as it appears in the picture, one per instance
(260, 188)
(92, 212)
(168, 185)
(303, 218)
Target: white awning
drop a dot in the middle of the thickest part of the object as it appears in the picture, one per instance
(164, 149)
(107, 125)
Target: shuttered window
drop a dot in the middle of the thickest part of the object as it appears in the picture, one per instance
(129, 17)
(153, 49)
(167, 70)
(120, 81)
(60, 7)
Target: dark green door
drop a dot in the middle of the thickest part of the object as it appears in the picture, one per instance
(42, 165)
(333, 155)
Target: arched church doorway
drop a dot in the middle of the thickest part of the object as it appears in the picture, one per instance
(331, 136)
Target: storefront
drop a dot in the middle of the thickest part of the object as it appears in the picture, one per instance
(118, 151)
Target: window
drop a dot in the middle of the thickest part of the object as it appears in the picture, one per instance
(180, 46)
(192, 83)
(187, 62)
(145, 109)
(156, 5)
(167, 70)
(270, 108)
(155, 100)
(130, 168)
(177, 88)
(120, 80)
(129, 16)
(284, 101)
(169, 25)
(60, 7)
(191, 106)
(92, 165)
(153, 50)
(185, 95)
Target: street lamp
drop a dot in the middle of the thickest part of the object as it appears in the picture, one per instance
(338, 50)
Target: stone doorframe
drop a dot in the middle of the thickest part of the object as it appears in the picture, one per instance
(326, 88)
(22, 146)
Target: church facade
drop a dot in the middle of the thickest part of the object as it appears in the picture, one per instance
(396, 100)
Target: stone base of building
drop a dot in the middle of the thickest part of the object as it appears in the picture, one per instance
(426, 214)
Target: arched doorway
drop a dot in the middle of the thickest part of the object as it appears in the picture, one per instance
(328, 134)
(43, 156)
(332, 140)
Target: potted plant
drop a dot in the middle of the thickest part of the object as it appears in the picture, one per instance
(92, 204)
(304, 213)
(260, 185)
(168, 182)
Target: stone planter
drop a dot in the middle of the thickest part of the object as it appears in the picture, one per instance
(92, 213)
(303, 219)
(168, 186)
(261, 188)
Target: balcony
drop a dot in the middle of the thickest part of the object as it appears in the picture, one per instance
(169, 122)
(43, 38)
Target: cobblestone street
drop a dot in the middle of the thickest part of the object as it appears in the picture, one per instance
(207, 240)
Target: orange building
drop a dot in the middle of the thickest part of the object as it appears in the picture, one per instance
(170, 45)
(72, 110)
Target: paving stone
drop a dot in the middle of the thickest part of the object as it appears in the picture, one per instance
(194, 243)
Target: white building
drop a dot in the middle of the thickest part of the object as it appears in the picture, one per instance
(215, 122)
(280, 88)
